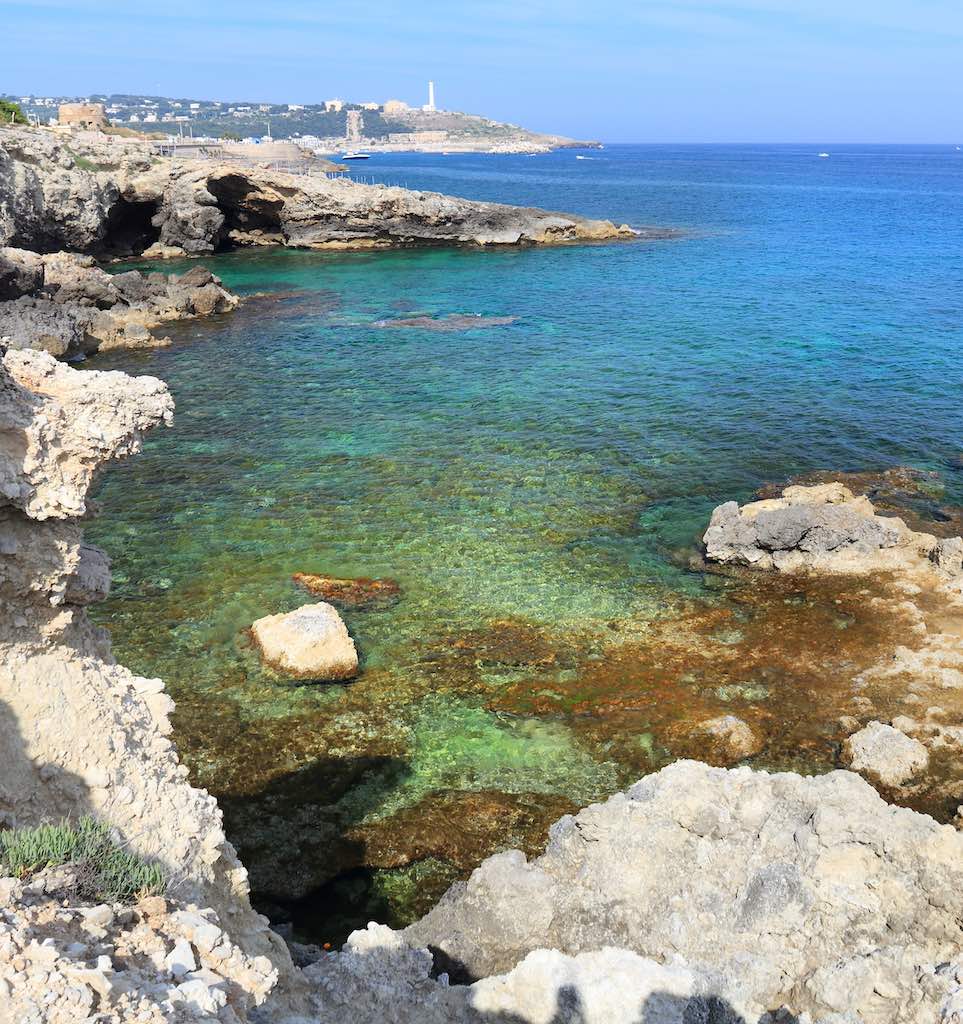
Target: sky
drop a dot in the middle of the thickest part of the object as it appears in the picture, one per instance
(650, 71)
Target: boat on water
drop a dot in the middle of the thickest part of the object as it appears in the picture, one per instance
(823, 155)
(353, 155)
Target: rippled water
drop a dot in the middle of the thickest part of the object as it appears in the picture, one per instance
(536, 487)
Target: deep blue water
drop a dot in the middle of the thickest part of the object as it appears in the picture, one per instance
(548, 471)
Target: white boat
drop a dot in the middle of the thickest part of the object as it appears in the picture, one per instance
(823, 154)
(352, 155)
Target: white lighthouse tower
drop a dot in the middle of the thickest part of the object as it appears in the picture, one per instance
(430, 105)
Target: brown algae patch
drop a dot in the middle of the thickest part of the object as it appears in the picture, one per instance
(488, 735)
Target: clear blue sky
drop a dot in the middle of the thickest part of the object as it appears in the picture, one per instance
(648, 71)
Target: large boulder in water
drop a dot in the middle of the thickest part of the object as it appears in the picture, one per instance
(311, 642)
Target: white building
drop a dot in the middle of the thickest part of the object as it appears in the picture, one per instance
(335, 106)
(429, 107)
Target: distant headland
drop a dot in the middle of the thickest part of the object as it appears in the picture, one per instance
(329, 127)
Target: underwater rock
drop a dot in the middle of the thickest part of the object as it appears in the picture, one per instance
(361, 592)
(311, 642)
(727, 739)
(459, 827)
(449, 322)
(885, 754)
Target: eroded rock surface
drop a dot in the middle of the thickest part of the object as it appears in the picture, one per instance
(80, 734)
(885, 754)
(826, 529)
(776, 891)
(116, 196)
(64, 959)
(66, 305)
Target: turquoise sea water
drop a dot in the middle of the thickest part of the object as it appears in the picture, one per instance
(553, 473)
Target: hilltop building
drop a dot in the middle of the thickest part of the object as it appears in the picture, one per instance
(82, 115)
(429, 107)
(396, 107)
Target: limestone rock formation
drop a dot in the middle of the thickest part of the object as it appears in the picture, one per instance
(64, 959)
(826, 529)
(117, 197)
(78, 733)
(312, 642)
(66, 305)
(775, 891)
(884, 753)
(823, 527)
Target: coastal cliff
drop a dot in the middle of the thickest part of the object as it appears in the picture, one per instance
(109, 196)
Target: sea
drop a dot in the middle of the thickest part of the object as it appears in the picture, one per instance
(530, 442)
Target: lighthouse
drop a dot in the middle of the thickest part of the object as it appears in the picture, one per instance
(431, 97)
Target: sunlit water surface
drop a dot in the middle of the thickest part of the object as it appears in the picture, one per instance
(537, 488)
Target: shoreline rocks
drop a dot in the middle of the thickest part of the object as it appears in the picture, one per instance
(66, 305)
(312, 642)
(885, 754)
(776, 891)
(824, 528)
(116, 197)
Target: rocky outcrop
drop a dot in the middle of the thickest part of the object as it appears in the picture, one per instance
(78, 733)
(770, 892)
(825, 528)
(65, 959)
(885, 754)
(66, 305)
(312, 642)
(117, 197)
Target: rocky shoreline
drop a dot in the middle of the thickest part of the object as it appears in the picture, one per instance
(703, 891)
(114, 197)
(700, 894)
(66, 305)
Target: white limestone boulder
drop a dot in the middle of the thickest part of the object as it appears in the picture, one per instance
(312, 642)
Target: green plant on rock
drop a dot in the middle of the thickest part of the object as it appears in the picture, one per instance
(105, 870)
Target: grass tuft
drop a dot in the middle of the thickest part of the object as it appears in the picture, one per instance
(105, 871)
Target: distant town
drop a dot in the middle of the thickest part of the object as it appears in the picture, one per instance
(321, 128)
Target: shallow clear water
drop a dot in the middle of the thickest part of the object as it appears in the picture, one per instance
(553, 473)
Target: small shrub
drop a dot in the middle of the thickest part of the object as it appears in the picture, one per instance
(106, 871)
(10, 113)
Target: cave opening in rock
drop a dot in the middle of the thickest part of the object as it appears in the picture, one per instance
(130, 227)
(251, 216)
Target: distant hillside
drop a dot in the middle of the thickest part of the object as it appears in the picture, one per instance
(389, 125)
